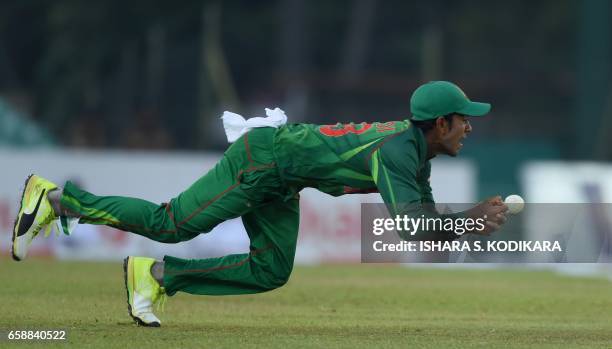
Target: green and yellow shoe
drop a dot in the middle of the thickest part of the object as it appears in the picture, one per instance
(142, 290)
(35, 214)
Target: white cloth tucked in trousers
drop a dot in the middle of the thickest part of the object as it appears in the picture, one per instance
(235, 124)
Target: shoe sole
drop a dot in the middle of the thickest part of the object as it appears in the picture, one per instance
(138, 321)
(15, 258)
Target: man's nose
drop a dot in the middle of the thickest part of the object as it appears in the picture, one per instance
(468, 127)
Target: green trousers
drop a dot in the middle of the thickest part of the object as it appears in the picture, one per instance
(245, 183)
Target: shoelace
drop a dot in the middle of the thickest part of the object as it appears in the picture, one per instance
(46, 224)
(160, 300)
(48, 228)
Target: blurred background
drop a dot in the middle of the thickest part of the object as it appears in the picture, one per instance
(127, 79)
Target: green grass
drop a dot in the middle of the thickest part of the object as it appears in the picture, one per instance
(332, 306)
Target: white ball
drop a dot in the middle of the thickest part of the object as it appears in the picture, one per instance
(515, 203)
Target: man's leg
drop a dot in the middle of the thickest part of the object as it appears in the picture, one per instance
(273, 231)
(212, 199)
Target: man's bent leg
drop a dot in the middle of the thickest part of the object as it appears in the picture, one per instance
(215, 197)
(273, 232)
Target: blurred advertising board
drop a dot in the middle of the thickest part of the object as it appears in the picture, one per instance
(573, 201)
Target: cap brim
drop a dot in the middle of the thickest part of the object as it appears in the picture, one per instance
(475, 109)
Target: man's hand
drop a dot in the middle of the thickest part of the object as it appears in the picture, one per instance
(493, 210)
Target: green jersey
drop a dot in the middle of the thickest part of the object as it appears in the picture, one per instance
(389, 158)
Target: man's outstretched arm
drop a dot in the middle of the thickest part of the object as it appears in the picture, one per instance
(406, 192)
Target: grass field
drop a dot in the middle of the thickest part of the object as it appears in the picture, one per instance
(359, 306)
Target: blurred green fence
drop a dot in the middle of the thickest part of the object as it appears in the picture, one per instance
(16, 129)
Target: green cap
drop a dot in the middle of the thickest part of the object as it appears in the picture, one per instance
(439, 98)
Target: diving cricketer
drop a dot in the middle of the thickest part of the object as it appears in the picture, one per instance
(259, 179)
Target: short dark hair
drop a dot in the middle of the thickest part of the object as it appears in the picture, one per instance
(426, 125)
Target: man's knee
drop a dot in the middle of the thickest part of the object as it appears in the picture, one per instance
(167, 229)
(274, 277)
(280, 279)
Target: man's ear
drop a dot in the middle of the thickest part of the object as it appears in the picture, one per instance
(442, 125)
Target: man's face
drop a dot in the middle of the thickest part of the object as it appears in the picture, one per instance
(454, 134)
